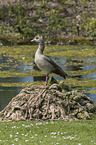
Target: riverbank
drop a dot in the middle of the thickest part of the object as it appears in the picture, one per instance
(68, 22)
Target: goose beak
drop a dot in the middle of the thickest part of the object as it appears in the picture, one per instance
(32, 40)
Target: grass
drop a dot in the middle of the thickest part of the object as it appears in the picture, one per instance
(48, 132)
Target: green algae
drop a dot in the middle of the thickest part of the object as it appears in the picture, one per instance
(21, 53)
(25, 54)
(92, 91)
(85, 84)
(10, 73)
(81, 53)
(20, 84)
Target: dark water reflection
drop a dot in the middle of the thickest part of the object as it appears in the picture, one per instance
(22, 79)
(9, 63)
(92, 96)
(6, 94)
(92, 76)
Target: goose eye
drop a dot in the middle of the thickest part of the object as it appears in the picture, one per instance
(37, 37)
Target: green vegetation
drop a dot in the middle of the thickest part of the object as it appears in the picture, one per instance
(70, 22)
(48, 132)
(58, 21)
(77, 56)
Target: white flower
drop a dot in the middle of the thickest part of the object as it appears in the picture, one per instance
(16, 139)
(75, 134)
(10, 135)
(23, 124)
(26, 134)
(53, 133)
(26, 140)
(14, 127)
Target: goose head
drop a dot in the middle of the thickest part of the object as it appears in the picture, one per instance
(37, 39)
(40, 40)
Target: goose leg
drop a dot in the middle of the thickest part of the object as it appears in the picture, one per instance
(45, 82)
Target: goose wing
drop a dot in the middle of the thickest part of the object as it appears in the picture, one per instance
(57, 69)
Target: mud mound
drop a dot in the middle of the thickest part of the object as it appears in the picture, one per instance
(56, 101)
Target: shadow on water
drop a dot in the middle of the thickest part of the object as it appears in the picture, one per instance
(22, 79)
(9, 63)
(91, 95)
(75, 65)
(6, 94)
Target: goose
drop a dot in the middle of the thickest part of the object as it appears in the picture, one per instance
(45, 63)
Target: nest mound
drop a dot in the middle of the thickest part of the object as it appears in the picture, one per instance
(56, 101)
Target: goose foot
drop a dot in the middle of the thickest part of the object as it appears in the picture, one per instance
(45, 83)
(43, 86)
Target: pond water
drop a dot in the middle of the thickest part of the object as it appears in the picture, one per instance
(7, 63)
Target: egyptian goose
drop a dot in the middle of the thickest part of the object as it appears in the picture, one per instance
(45, 63)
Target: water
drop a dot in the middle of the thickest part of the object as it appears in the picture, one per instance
(7, 93)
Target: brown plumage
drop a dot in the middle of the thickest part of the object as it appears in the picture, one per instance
(58, 70)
